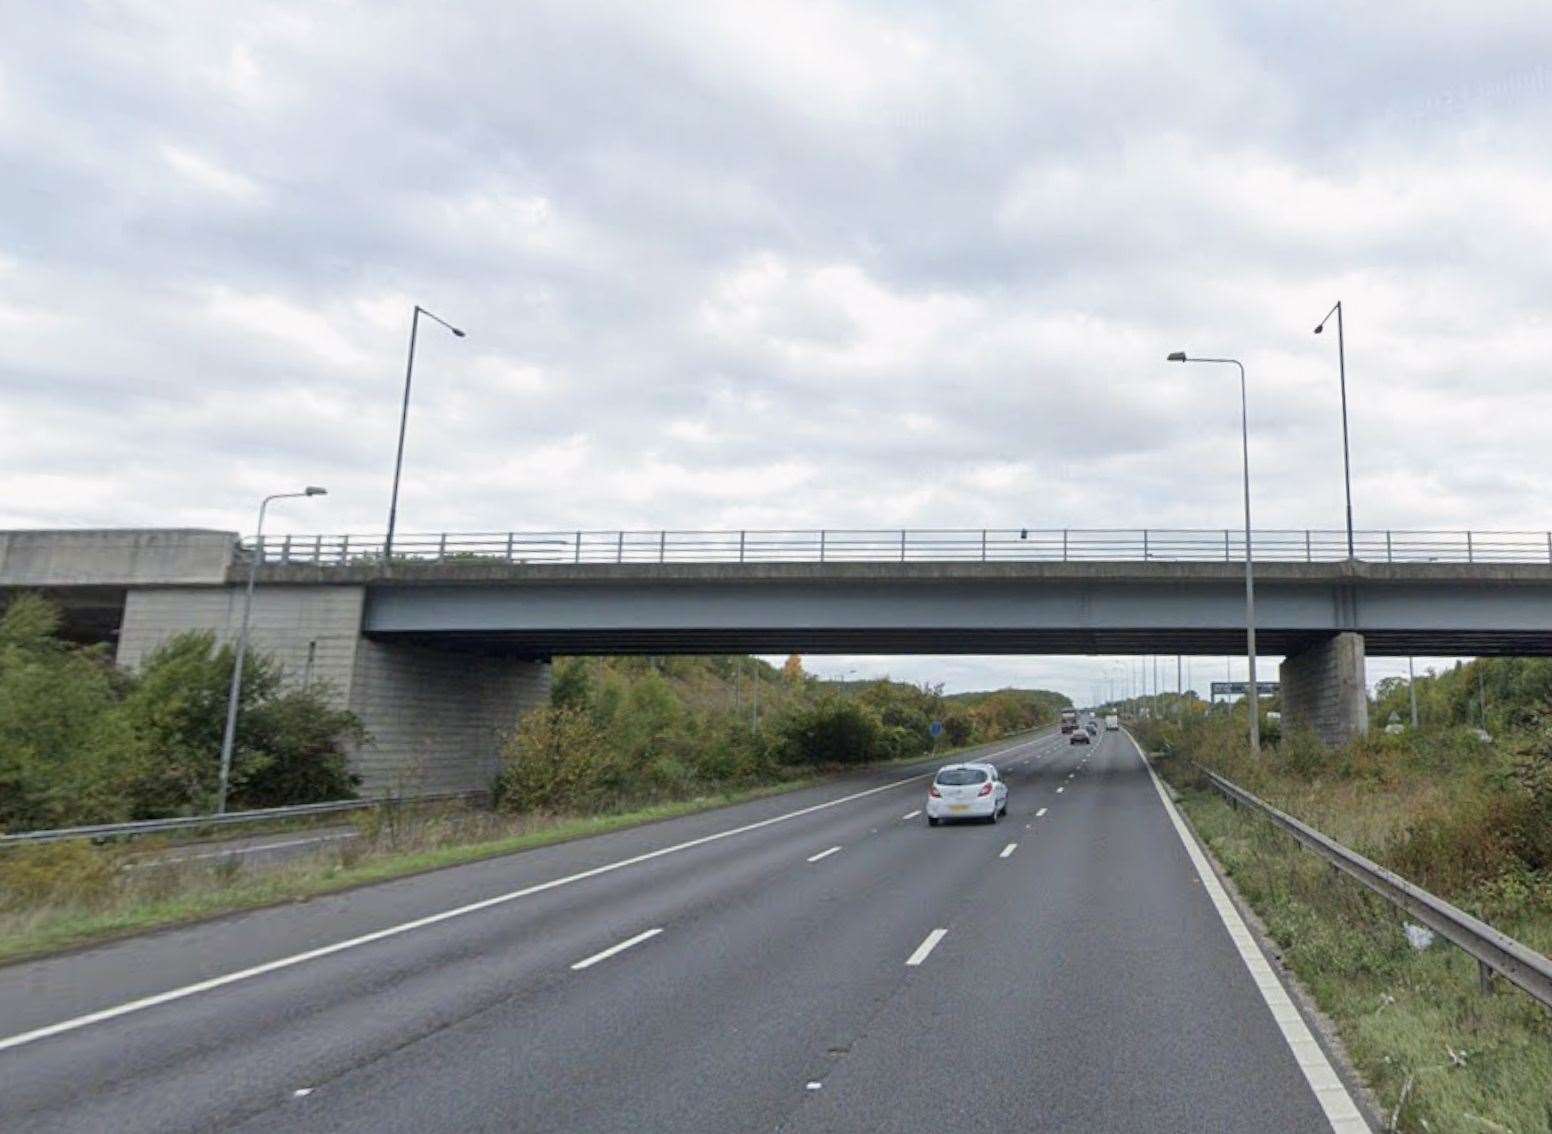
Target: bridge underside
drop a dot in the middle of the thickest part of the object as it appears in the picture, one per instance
(1188, 640)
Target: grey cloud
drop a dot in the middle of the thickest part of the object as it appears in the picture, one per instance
(787, 265)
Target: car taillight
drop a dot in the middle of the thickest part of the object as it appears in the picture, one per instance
(932, 790)
(987, 790)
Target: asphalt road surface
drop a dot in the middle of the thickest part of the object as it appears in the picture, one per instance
(818, 961)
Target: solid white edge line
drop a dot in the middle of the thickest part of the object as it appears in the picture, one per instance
(1007, 850)
(924, 950)
(1329, 1090)
(1041, 812)
(911, 814)
(589, 962)
(103, 1015)
(822, 854)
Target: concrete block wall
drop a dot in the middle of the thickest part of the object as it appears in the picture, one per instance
(312, 631)
(1325, 690)
(436, 719)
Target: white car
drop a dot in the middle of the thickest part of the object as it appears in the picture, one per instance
(966, 791)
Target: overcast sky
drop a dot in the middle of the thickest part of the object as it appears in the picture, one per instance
(755, 264)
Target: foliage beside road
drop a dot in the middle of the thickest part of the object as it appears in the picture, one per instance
(1466, 819)
(624, 741)
(82, 742)
(625, 730)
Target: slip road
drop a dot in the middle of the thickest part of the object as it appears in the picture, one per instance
(817, 961)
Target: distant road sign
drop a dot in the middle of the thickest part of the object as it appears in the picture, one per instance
(937, 729)
(1240, 688)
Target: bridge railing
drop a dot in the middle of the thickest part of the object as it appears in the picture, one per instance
(915, 545)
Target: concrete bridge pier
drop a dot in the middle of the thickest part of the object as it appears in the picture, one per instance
(1325, 690)
(437, 718)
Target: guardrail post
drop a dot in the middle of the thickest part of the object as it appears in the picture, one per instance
(344, 550)
(1064, 545)
(821, 545)
(1470, 556)
(1309, 555)
(285, 550)
(619, 547)
(318, 549)
(741, 536)
(662, 545)
(577, 555)
(1485, 977)
(902, 545)
(1225, 545)
(1387, 546)
(1145, 545)
(1549, 547)
(983, 545)
(509, 547)
(442, 548)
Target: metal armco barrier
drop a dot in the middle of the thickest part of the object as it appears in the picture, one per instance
(920, 545)
(230, 819)
(1494, 952)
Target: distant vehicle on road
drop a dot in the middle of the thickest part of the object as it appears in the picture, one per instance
(1079, 736)
(966, 791)
(1069, 720)
(1112, 722)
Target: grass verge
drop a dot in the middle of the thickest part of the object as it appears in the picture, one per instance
(64, 895)
(1439, 1054)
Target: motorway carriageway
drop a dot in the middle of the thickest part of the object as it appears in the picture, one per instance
(816, 961)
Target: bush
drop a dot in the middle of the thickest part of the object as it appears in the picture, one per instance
(289, 748)
(81, 742)
(556, 760)
(830, 730)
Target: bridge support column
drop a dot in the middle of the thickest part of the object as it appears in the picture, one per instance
(1324, 689)
(436, 719)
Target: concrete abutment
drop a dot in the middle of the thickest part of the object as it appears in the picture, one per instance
(1324, 689)
(436, 718)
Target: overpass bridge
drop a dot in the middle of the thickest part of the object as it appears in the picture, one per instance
(441, 646)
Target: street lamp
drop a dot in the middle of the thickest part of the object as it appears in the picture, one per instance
(404, 415)
(1250, 576)
(1347, 468)
(229, 737)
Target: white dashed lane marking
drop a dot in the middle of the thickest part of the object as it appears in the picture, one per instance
(589, 962)
(924, 950)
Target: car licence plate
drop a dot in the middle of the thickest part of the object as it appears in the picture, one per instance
(959, 807)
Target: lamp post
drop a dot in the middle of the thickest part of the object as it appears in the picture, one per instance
(404, 417)
(229, 736)
(1347, 468)
(1250, 571)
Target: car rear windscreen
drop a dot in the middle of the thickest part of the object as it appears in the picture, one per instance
(953, 777)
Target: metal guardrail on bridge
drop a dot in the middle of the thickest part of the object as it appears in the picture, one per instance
(1493, 951)
(907, 545)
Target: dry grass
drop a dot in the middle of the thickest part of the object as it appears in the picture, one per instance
(62, 895)
(1440, 810)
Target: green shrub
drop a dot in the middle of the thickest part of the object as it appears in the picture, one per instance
(556, 760)
(831, 730)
